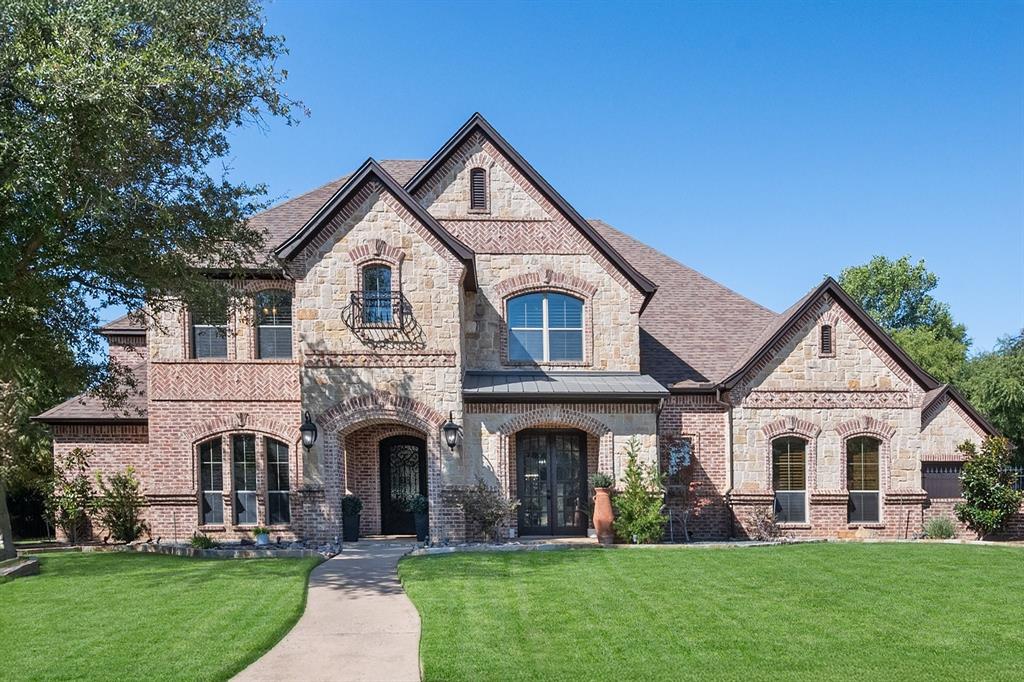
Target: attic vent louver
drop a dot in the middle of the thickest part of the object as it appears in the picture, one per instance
(478, 189)
(826, 339)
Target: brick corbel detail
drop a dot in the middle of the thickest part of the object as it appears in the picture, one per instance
(906, 497)
(830, 497)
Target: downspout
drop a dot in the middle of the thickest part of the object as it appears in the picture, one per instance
(729, 473)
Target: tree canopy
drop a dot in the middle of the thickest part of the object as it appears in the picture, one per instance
(897, 294)
(994, 383)
(113, 116)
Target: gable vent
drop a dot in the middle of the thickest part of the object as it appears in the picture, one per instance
(826, 339)
(478, 189)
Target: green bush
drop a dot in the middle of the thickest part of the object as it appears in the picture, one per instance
(989, 497)
(939, 528)
(69, 495)
(601, 480)
(487, 510)
(119, 505)
(200, 541)
(351, 505)
(260, 530)
(638, 516)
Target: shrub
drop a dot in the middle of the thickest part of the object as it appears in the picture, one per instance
(200, 541)
(939, 528)
(487, 510)
(601, 480)
(989, 497)
(762, 524)
(69, 494)
(260, 530)
(419, 504)
(119, 505)
(638, 515)
(351, 505)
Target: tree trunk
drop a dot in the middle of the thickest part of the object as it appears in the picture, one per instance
(6, 535)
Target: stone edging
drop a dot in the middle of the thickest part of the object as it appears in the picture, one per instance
(550, 546)
(234, 553)
(18, 568)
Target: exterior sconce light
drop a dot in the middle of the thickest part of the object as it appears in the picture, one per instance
(308, 430)
(451, 431)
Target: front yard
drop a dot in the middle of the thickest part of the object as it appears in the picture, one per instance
(121, 616)
(807, 612)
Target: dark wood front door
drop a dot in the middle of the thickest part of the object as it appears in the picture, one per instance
(552, 482)
(403, 476)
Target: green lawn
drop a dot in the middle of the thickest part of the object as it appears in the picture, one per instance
(808, 612)
(121, 616)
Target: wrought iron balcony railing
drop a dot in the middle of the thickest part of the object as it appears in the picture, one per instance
(379, 310)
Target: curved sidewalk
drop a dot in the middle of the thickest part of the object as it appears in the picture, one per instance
(358, 623)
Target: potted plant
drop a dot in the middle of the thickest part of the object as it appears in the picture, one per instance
(420, 505)
(351, 507)
(604, 517)
(262, 536)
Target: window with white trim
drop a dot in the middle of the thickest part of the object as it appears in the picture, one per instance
(243, 460)
(278, 510)
(211, 482)
(209, 335)
(274, 324)
(789, 479)
(545, 327)
(862, 479)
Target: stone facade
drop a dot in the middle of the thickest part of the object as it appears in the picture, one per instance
(362, 381)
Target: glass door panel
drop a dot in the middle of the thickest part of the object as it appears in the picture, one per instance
(534, 488)
(552, 482)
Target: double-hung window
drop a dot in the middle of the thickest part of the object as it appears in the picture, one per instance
(274, 324)
(211, 478)
(789, 479)
(545, 327)
(209, 335)
(278, 510)
(862, 479)
(243, 458)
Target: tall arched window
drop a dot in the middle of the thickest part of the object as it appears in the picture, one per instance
(274, 324)
(863, 478)
(478, 189)
(278, 509)
(545, 327)
(377, 308)
(211, 482)
(789, 479)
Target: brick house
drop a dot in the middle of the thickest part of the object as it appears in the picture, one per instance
(466, 286)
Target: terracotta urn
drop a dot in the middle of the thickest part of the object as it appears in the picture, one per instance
(603, 516)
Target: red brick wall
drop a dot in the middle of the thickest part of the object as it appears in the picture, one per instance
(361, 470)
(701, 487)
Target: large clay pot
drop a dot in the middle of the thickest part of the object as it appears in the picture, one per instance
(603, 516)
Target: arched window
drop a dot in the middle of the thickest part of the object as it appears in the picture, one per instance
(209, 335)
(243, 464)
(478, 189)
(211, 482)
(274, 324)
(545, 327)
(789, 479)
(377, 298)
(278, 510)
(862, 479)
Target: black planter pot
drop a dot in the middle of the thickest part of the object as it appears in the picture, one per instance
(350, 528)
(422, 525)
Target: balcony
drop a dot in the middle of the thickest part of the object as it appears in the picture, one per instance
(383, 319)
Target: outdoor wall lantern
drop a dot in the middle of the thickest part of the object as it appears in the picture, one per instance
(308, 430)
(451, 431)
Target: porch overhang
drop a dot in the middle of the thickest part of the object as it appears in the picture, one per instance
(568, 386)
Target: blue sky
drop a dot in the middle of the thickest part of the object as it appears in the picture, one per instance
(765, 144)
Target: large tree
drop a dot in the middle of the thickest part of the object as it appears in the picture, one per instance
(112, 115)
(994, 383)
(897, 294)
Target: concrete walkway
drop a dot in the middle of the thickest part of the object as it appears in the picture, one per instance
(358, 623)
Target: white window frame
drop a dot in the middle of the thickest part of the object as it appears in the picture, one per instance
(286, 491)
(546, 330)
(876, 492)
(204, 491)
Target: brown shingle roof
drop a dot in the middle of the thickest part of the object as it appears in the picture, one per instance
(126, 324)
(87, 408)
(694, 329)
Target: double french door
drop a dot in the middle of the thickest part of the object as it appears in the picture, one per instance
(552, 482)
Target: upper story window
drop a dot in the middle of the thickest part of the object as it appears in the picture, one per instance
(209, 335)
(825, 346)
(211, 480)
(789, 479)
(274, 324)
(478, 189)
(376, 294)
(862, 479)
(545, 327)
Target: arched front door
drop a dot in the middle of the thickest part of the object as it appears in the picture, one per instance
(552, 482)
(403, 476)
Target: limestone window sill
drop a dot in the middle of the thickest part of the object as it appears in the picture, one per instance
(868, 526)
(212, 529)
(478, 211)
(795, 526)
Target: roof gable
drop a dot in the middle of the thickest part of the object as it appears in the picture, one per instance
(477, 124)
(371, 171)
